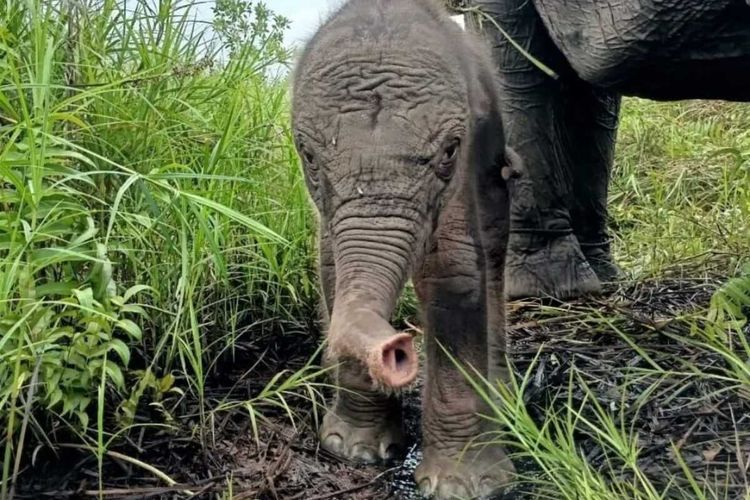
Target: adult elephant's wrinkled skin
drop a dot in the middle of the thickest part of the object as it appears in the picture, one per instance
(397, 122)
(564, 128)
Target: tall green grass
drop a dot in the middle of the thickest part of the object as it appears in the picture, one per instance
(151, 208)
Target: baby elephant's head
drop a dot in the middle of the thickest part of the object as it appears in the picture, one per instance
(380, 116)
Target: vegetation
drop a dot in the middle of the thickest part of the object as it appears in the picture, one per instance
(152, 212)
(155, 236)
(680, 198)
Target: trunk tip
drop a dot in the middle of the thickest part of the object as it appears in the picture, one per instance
(394, 362)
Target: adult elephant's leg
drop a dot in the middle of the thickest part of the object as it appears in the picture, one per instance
(544, 257)
(590, 129)
(452, 291)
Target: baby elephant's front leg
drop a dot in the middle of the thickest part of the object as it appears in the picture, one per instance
(456, 463)
(363, 424)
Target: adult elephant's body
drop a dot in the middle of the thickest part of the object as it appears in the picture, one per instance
(565, 128)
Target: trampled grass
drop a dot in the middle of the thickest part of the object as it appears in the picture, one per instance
(155, 235)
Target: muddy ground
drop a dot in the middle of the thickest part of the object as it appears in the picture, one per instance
(710, 426)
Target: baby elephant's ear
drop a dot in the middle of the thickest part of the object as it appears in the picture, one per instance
(512, 166)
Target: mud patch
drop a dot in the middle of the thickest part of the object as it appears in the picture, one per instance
(604, 341)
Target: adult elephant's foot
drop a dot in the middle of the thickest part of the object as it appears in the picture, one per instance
(474, 473)
(599, 257)
(547, 265)
(367, 431)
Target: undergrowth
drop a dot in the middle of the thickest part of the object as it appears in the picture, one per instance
(152, 215)
(680, 194)
(670, 422)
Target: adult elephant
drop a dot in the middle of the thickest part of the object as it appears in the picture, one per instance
(564, 125)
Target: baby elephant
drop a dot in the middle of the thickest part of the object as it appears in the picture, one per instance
(396, 120)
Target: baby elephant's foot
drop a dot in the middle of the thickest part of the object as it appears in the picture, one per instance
(475, 473)
(377, 440)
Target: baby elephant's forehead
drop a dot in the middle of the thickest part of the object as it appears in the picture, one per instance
(403, 76)
(388, 85)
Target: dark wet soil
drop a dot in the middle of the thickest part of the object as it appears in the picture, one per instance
(707, 421)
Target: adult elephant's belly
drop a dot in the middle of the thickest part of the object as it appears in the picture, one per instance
(661, 49)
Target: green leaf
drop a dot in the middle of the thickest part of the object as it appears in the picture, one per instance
(44, 257)
(122, 350)
(56, 288)
(134, 290)
(42, 323)
(113, 212)
(257, 227)
(166, 383)
(133, 309)
(54, 398)
(115, 374)
(85, 298)
(130, 327)
(85, 236)
(84, 403)
(83, 418)
(69, 403)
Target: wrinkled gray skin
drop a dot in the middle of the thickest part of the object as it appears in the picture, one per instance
(396, 120)
(565, 129)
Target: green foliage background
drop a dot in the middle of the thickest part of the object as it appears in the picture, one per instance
(150, 205)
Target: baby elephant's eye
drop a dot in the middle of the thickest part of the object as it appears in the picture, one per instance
(303, 151)
(444, 170)
(308, 158)
(450, 152)
(309, 165)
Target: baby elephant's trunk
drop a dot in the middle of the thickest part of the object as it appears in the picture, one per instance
(373, 257)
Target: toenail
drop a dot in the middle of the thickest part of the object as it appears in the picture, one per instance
(454, 488)
(363, 453)
(333, 442)
(489, 486)
(426, 486)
